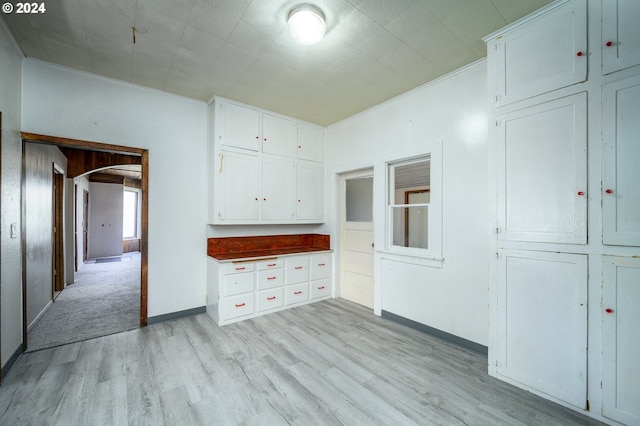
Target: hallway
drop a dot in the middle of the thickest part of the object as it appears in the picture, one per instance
(105, 299)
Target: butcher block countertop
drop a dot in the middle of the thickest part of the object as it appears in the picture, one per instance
(248, 248)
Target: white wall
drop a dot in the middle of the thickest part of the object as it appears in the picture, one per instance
(105, 219)
(63, 102)
(451, 110)
(10, 250)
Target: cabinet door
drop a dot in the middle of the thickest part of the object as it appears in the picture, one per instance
(310, 142)
(620, 162)
(542, 172)
(278, 135)
(310, 191)
(620, 34)
(542, 322)
(239, 126)
(239, 187)
(541, 55)
(620, 342)
(278, 189)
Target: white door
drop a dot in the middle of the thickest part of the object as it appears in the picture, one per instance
(542, 172)
(620, 160)
(239, 185)
(542, 323)
(620, 339)
(356, 238)
(620, 34)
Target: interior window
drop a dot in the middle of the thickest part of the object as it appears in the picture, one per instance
(409, 203)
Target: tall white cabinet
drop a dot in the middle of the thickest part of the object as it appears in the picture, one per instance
(264, 168)
(564, 96)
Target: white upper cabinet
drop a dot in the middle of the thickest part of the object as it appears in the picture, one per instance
(278, 189)
(310, 142)
(278, 135)
(620, 34)
(621, 162)
(543, 54)
(310, 191)
(254, 176)
(620, 342)
(238, 126)
(542, 172)
(238, 188)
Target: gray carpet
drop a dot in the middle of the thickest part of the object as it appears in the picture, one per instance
(105, 299)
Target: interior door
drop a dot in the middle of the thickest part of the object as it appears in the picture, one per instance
(85, 224)
(58, 233)
(356, 242)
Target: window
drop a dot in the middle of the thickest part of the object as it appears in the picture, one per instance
(413, 213)
(130, 214)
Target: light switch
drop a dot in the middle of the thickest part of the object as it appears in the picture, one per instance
(14, 230)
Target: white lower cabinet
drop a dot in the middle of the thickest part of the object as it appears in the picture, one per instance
(542, 323)
(620, 339)
(245, 289)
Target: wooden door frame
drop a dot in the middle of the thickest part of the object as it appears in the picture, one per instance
(57, 237)
(91, 146)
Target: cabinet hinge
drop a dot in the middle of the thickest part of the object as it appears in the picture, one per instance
(497, 363)
(498, 231)
(496, 46)
(498, 123)
(220, 215)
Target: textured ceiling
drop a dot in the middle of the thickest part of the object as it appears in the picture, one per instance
(241, 50)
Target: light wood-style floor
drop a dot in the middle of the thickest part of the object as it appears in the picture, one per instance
(328, 363)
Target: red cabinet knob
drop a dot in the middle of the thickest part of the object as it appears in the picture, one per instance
(580, 193)
(609, 44)
(609, 191)
(239, 305)
(257, 137)
(264, 199)
(256, 198)
(609, 310)
(579, 53)
(265, 139)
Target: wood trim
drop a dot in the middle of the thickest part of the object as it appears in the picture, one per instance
(81, 161)
(78, 143)
(144, 239)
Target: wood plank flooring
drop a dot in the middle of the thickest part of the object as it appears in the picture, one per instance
(328, 363)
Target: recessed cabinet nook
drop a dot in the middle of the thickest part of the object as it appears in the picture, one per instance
(564, 150)
(265, 168)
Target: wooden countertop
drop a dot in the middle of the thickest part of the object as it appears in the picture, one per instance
(245, 248)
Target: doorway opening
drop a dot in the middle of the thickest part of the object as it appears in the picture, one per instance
(83, 157)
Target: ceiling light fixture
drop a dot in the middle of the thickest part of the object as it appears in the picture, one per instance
(306, 23)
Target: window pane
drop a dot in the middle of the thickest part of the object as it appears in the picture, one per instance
(359, 200)
(410, 226)
(129, 214)
(413, 175)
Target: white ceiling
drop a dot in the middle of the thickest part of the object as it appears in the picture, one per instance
(240, 49)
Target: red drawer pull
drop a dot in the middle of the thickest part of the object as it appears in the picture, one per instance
(271, 278)
(580, 193)
(298, 267)
(321, 288)
(609, 191)
(321, 264)
(609, 44)
(239, 305)
(241, 268)
(271, 298)
(579, 53)
(271, 264)
(297, 292)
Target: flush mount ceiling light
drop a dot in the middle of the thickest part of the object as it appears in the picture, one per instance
(306, 23)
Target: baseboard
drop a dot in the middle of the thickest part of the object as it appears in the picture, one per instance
(42, 312)
(467, 344)
(176, 315)
(12, 360)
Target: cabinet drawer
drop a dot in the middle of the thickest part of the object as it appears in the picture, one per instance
(269, 299)
(270, 279)
(320, 288)
(297, 293)
(270, 264)
(320, 266)
(238, 306)
(238, 283)
(297, 269)
(238, 268)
